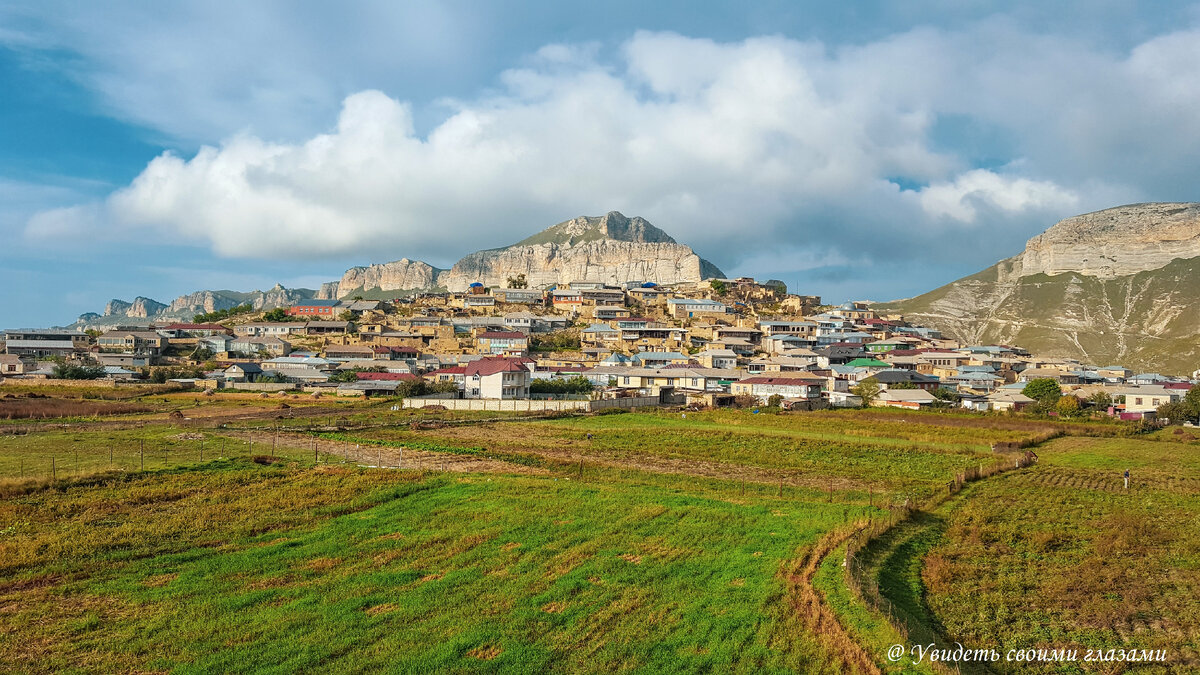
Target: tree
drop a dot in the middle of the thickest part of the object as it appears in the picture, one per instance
(775, 401)
(1175, 412)
(517, 282)
(71, 371)
(1067, 406)
(1100, 399)
(1043, 389)
(946, 394)
(346, 316)
(718, 286)
(575, 385)
(903, 385)
(1192, 400)
(867, 390)
(277, 314)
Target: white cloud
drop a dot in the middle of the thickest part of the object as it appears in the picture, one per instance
(724, 145)
(961, 198)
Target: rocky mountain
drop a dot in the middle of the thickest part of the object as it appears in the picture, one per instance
(403, 274)
(185, 307)
(610, 249)
(140, 308)
(1118, 286)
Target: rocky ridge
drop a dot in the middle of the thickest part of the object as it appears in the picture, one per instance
(1120, 285)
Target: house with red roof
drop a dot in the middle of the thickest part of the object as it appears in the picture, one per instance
(496, 377)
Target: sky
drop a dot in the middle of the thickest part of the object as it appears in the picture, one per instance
(869, 150)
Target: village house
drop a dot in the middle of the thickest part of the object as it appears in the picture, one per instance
(275, 328)
(45, 343)
(904, 398)
(502, 343)
(496, 378)
(242, 372)
(791, 386)
(687, 308)
(192, 330)
(255, 346)
(132, 342)
(314, 308)
(11, 364)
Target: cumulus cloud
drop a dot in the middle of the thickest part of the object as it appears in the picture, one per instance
(961, 198)
(723, 144)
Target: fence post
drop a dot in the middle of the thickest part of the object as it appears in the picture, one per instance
(142, 454)
(53, 470)
(316, 459)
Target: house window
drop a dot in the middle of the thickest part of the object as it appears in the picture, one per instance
(1137, 401)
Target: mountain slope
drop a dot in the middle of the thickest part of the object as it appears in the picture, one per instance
(1116, 286)
(610, 249)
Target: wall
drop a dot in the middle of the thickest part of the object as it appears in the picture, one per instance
(528, 405)
(261, 386)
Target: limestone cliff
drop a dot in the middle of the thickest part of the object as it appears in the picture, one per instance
(1115, 242)
(403, 274)
(1116, 286)
(611, 249)
(140, 308)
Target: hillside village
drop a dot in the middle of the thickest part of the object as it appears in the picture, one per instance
(720, 342)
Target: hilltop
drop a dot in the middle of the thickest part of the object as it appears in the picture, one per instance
(1121, 285)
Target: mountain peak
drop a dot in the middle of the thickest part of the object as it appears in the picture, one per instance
(612, 225)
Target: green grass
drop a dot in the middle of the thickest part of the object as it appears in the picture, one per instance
(1062, 555)
(235, 567)
(857, 454)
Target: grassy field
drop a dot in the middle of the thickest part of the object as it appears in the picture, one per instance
(238, 567)
(898, 457)
(1061, 555)
(648, 541)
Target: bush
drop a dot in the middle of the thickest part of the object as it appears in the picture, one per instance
(575, 385)
(70, 371)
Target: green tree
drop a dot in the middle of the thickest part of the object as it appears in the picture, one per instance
(1043, 389)
(574, 385)
(718, 286)
(867, 390)
(517, 282)
(277, 314)
(903, 385)
(775, 401)
(71, 371)
(946, 394)
(1175, 412)
(1192, 400)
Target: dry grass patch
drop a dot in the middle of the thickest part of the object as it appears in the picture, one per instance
(485, 652)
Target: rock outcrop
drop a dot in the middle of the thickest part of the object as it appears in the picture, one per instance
(610, 249)
(403, 274)
(1115, 286)
(140, 308)
(1115, 242)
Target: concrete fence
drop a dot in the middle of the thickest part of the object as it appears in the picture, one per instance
(529, 405)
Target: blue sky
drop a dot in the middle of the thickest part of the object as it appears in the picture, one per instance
(855, 150)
